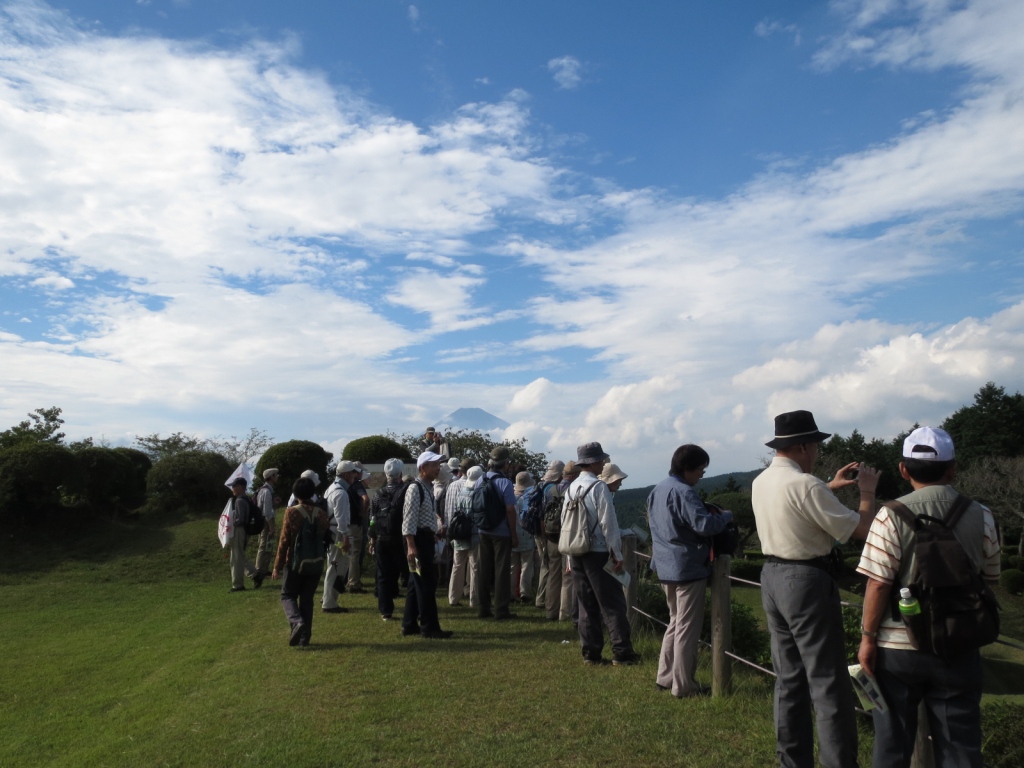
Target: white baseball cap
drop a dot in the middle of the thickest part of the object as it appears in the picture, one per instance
(426, 457)
(929, 444)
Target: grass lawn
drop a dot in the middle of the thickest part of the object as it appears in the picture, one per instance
(126, 648)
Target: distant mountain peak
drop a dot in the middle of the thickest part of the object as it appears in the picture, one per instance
(472, 418)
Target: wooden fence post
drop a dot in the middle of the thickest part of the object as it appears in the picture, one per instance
(721, 626)
(924, 754)
(629, 566)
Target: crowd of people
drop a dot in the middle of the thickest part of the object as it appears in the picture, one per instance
(426, 532)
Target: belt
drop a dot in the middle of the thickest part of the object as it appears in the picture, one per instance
(814, 562)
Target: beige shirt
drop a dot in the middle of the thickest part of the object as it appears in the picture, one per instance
(798, 517)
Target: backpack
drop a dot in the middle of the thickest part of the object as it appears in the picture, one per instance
(959, 612)
(531, 517)
(308, 551)
(551, 520)
(488, 506)
(387, 513)
(576, 536)
(460, 527)
(254, 522)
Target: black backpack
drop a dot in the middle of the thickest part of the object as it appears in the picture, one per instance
(532, 516)
(308, 553)
(254, 522)
(387, 513)
(551, 519)
(959, 612)
(460, 527)
(488, 506)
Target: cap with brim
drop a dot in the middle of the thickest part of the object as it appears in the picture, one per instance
(524, 480)
(795, 428)
(394, 467)
(591, 453)
(454, 464)
(929, 444)
(344, 466)
(269, 473)
(239, 481)
(427, 457)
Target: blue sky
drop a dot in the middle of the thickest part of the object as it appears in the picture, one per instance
(645, 224)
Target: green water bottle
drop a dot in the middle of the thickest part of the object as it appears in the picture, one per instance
(910, 609)
(909, 606)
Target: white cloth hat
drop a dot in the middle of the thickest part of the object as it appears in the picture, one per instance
(343, 467)
(312, 476)
(454, 464)
(474, 473)
(929, 444)
(394, 467)
(611, 473)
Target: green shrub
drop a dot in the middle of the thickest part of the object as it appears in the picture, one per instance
(35, 476)
(1002, 728)
(109, 479)
(1012, 580)
(1015, 561)
(141, 464)
(291, 459)
(375, 449)
(191, 478)
(744, 568)
(748, 639)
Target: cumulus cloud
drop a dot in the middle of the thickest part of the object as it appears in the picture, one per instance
(567, 71)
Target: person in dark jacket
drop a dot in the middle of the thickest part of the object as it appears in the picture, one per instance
(681, 531)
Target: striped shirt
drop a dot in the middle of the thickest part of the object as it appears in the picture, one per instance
(881, 558)
(418, 510)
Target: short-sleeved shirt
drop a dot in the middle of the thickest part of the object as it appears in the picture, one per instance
(798, 517)
(882, 557)
(418, 511)
(506, 489)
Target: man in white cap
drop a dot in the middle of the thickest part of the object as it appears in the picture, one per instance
(419, 527)
(950, 688)
(265, 500)
(339, 512)
(798, 518)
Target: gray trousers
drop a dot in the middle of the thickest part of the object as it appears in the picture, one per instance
(801, 603)
(495, 565)
(601, 599)
(241, 566)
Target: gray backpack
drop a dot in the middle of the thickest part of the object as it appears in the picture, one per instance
(577, 535)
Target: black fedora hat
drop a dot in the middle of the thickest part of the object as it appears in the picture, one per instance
(794, 428)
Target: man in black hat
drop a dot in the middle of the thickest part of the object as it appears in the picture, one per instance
(798, 519)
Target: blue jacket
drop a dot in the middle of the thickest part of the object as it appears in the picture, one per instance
(681, 531)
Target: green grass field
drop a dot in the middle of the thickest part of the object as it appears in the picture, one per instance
(126, 648)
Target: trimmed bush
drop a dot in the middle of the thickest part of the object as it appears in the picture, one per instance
(747, 569)
(291, 459)
(375, 449)
(34, 476)
(1012, 581)
(141, 465)
(109, 479)
(191, 478)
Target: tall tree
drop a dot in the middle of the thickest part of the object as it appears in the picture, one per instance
(993, 426)
(42, 426)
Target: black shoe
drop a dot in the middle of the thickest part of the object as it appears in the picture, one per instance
(237, 589)
(257, 580)
(385, 617)
(627, 660)
(485, 615)
(506, 616)
(437, 634)
(356, 590)
(410, 631)
(335, 609)
(595, 661)
(298, 631)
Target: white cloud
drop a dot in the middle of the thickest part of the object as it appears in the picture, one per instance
(768, 27)
(567, 71)
(414, 14)
(56, 282)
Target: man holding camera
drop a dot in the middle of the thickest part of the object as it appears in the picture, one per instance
(798, 519)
